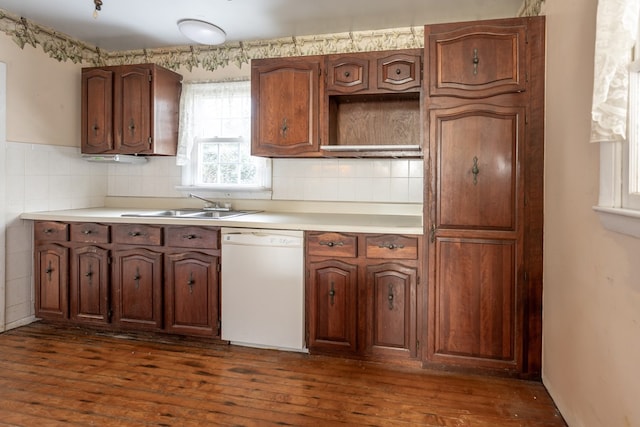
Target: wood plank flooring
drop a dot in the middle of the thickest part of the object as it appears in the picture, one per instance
(52, 375)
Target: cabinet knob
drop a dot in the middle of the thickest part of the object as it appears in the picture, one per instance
(189, 236)
(398, 71)
(87, 232)
(347, 74)
(331, 244)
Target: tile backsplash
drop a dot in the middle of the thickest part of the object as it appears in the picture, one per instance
(360, 180)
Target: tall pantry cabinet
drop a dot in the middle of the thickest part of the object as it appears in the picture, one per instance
(484, 94)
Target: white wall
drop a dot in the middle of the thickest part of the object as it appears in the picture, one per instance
(591, 307)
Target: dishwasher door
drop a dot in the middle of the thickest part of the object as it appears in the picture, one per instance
(262, 297)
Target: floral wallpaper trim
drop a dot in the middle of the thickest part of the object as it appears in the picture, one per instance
(531, 8)
(64, 48)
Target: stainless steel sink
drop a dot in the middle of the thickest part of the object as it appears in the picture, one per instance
(189, 213)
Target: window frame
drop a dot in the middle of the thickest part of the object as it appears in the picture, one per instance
(190, 181)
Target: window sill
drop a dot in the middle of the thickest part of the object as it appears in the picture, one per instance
(625, 221)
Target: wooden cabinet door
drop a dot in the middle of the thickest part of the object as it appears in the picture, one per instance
(138, 288)
(97, 111)
(285, 106)
(332, 306)
(192, 294)
(89, 285)
(476, 60)
(52, 281)
(391, 310)
(475, 299)
(133, 110)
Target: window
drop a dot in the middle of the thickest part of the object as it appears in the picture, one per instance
(616, 114)
(214, 143)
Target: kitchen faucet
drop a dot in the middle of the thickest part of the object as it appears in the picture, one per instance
(210, 205)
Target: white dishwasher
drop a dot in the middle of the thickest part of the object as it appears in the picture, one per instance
(262, 297)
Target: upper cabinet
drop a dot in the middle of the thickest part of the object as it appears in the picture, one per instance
(285, 106)
(374, 72)
(477, 60)
(344, 105)
(130, 109)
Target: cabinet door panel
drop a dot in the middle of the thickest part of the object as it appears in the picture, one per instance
(476, 303)
(391, 309)
(476, 61)
(285, 107)
(477, 165)
(52, 281)
(133, 119)
(97, 111)
(138, 288)
(192, 293)
(90, 284)
(333, 305)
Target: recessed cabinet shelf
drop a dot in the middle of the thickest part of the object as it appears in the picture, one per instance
(385, 123)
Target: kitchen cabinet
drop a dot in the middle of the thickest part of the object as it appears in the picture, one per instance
(138, 276)
(51, 259)
(192, 286)
(285, 113)
(483, 202)
(129, 276)
(362, 294)
(375, 72)
(130, 109)
(348, 105)
(89, 282)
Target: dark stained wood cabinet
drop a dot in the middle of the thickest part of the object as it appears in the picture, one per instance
(364, 104)
(90, 273)
(483, 202)
(130, 109)
(129, 276)
(362, 294)
(192, 286)
(51, 259)
(374, 72)
(285, 110)
(138, 276)
(333, 309)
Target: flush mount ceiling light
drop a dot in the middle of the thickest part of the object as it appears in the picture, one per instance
(202, 32)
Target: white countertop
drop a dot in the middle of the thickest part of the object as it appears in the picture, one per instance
(338, 222)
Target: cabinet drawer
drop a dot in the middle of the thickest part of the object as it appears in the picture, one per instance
(51, 231)
(391, 246)
(399, 72)
(347, 74)
(137, 234)
(193, 237)
(332, 244)
(89, 232)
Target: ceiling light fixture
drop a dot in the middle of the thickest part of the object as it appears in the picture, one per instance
(98, 8)
(202, 32)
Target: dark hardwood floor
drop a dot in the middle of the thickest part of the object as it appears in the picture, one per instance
(53, 375)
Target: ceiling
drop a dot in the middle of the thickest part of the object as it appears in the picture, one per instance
(149, 24)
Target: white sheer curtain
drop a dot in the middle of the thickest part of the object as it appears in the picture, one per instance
(616, 33)
(212, 109)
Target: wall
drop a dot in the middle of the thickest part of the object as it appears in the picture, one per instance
(41, 168)
(591, 331)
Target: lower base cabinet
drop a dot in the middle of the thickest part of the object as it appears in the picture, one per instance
(89, 285)
(362, 295)
(191, 291)
(129, 276)
(137, 289)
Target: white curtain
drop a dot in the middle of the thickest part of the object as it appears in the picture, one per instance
(212, 109)
(616, 33)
